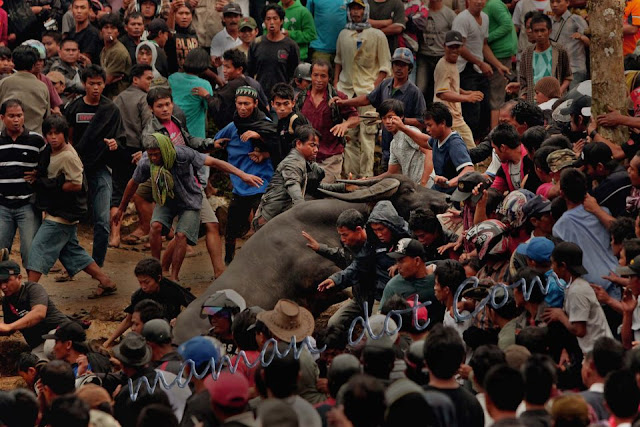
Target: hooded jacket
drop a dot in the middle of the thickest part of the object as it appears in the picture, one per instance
(154, 56)
(368, 273)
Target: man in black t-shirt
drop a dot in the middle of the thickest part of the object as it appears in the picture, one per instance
(27, 308)
(84, 33)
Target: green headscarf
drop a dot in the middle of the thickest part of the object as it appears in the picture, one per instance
(161, 178)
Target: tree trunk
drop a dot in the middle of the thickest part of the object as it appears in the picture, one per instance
(607, 64)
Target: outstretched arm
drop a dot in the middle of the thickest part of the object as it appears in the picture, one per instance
(252, 180)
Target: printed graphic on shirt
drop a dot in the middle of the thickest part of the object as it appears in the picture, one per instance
(283, 55)
(84, 117)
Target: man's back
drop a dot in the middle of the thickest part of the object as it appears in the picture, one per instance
(34, 96)
(468, 409)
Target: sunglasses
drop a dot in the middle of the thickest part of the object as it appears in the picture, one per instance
(216, 311)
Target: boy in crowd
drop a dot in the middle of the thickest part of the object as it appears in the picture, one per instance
(515, 164)
(6, 63)
(248, 32)
(449, 277)
(153, 286)
(51, 41)
(283, 101)
(114, 57)
(582, 314)
(406, 157)
(62, 194)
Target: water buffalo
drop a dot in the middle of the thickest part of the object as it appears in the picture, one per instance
(275, 263)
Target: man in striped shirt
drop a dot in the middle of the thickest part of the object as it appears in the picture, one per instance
(20, 152)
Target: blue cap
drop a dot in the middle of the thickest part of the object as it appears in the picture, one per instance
(538, 249)
(403, 54)
(200, 350)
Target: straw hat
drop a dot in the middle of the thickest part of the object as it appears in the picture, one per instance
(288, 319)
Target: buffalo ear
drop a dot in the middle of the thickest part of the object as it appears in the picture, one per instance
(381, 190)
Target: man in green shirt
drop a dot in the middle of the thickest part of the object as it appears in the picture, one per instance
(299, 25)
(412, 278)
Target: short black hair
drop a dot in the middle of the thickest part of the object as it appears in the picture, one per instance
(197, 61)
(110, 19)
(149, 310)
(426, 220)
(533, 137)
(58, 376)
(92, 71)
(24, 58)
(303, 133)
(622, 228)
(530, 15)
(144, 47)
(631, 248)
(350, 219)
(157, 414)
(559, 141)
(443, 351)
(245, 338)
(56, 123)
(158, 93)
(68, 411)
(363, 400)
(540, 157)
(5, 52)
(539, 373)
(321, 62)
(439, 113)
(138, 70)
(273, 6)
(238, 59)
(529, 275)
(527, 113)
(505, 134)
(505, 387)
(149, 267)
(133, 15)
(391, 104)
(400, 305)
(13, 102)
(55, 35)
(281, 375)
(282, 91)
(26, 405)
(607, 355)
(534, 338)
(450, 273)
(65, 41)
(536, 19)
(484, 357)
(25, 361)
(621, 394)
(574, 185)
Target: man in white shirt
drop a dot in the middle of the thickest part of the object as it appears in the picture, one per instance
(229, 37)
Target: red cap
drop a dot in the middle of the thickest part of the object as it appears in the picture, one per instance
(422, 313)
(229, 390)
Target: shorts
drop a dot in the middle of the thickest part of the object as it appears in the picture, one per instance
(56, 240)
(207, 215)
(497, 86)
(188, 221)
(145, 192)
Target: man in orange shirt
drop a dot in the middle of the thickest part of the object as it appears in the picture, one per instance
(630, 25)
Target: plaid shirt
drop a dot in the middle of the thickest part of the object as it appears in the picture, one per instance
(560, 69)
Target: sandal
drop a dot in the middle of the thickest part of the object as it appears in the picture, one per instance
(106, 291)
(133, 239)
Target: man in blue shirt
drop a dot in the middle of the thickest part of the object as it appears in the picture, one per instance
(251, 135)
(329, 17)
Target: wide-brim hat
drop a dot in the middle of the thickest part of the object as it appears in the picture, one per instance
(288, 319)
(133, 350)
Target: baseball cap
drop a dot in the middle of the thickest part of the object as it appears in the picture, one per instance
(453, 38)
(232, 8)
(403, 54)
(466, 184)
(570, 254)
(632, 269)
(594, 153)
(407, 247)
(538, 249)
(247, 22)
(8, 268)
(157, 331)
(68, 331)
(360, 2)
(226, 298)
(561, 159)
(229, 390)
(537, 205)
(580, 106)
(200, 350)
(303, 71)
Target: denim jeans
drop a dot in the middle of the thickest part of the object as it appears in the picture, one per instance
(26, 220)
(100, 189)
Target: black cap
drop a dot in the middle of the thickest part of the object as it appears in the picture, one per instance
(570, 254)
(157, 331)
(536, 206)
(8, 268)
(407, 247)
(580, 106)
(69, 331)
(452, 38)
(466, 184)
(594, 153)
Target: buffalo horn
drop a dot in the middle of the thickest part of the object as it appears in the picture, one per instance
(360, 182)
(379, 191)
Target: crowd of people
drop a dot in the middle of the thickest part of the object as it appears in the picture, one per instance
(518, 306)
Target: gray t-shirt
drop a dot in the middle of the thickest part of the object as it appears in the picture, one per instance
(581, 305)
(406, 153)
(188, 194)
(438, 23)
(474, 35)
(388, 9)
